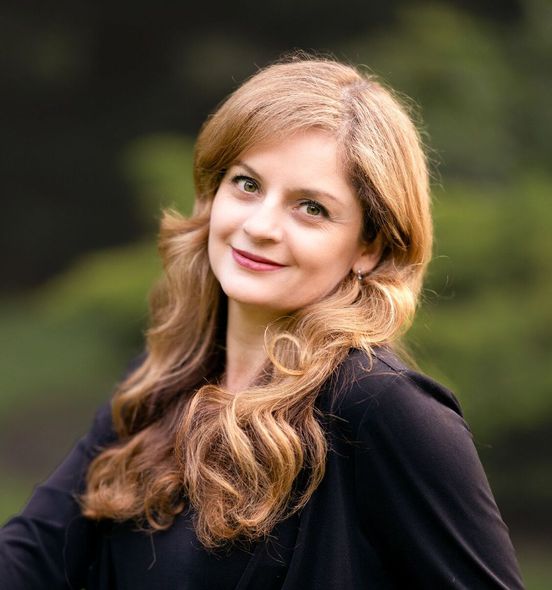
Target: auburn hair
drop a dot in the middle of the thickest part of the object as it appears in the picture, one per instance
(234, 458)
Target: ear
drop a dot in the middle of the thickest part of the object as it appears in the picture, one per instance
(369, 255)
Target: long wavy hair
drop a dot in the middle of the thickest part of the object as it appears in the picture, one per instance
(234, 458)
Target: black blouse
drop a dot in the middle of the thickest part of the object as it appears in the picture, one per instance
(404, 503)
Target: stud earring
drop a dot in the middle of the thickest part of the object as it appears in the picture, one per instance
(360, 276)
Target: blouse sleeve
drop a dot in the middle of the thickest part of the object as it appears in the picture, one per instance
(422, 493)
(49, 545)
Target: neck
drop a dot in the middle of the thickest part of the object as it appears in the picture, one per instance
(245, 351)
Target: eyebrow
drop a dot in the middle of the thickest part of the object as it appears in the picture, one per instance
(306, 192)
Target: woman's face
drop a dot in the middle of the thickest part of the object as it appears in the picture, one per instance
(285, 225)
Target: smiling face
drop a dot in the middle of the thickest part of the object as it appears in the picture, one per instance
(285, 225)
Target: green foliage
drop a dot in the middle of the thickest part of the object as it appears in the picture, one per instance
(486, 321)
(482, 88)
(79, 330)
(75, 334)
(158, 169)
(113, 282)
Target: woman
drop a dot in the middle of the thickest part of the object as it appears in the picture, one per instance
(270, 438)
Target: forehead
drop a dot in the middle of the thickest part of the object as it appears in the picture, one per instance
(309, 157)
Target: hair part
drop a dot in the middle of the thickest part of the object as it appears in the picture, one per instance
(234, 458)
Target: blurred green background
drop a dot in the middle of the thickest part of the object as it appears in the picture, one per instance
(100, 105)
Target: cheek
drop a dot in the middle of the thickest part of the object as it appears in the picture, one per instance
(329, 259)
(224, 217)
(222, 226)
(322, 254)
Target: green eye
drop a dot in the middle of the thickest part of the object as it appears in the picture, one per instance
(245, 184)
(313, 209)
(249, 186)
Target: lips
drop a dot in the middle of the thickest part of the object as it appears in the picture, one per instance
(254, 262)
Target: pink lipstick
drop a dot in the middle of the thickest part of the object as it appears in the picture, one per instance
(254, 262)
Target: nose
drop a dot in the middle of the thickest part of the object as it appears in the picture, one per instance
(264, 222)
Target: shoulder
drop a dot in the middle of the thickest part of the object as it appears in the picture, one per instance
(384, 392)
(420, 490)
(102, 432)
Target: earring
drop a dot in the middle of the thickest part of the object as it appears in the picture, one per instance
(360, 276)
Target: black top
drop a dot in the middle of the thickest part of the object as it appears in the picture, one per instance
(404, 503)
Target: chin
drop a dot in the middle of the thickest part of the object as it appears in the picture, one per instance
(262, 305)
